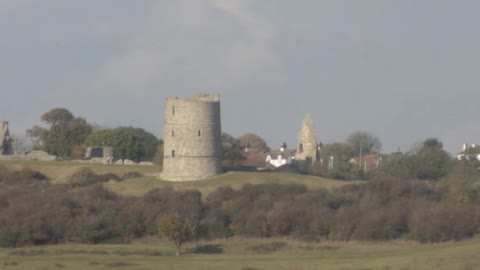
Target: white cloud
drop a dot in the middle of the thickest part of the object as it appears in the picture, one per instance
(209, 42)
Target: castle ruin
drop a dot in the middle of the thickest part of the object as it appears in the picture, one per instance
(6, 142)
(192, 138)
(308, 149)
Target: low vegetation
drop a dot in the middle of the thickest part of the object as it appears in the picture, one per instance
(34, 211)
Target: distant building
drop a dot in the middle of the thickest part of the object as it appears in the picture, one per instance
(253, 160)
(281, 157)
(469, 152)
(367, 162)
(105, 153)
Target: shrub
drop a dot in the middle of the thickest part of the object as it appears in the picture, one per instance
(435, 222)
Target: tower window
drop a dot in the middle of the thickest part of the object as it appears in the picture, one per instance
(173, 133)
(199, 133)
(300, 148)
(173, 153)
(173, 110)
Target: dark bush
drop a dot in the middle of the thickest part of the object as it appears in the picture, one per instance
(436, 222)
(85, 177)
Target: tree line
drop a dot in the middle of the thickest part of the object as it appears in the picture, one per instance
(67, 136)
(428, 161)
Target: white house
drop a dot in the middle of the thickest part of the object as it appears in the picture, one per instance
(469, 152)
(280, 157)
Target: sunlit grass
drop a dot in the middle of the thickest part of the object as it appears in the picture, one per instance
(238, 253)
(60, 171)
(235, 180)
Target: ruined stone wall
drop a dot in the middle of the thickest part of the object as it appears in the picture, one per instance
(6, 142)
(307, 141)
(192, 138)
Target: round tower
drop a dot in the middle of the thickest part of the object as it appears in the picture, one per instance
(192, 138)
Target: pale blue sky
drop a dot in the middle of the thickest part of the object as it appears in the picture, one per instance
(402, 70)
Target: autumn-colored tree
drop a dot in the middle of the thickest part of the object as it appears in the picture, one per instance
(176, 229)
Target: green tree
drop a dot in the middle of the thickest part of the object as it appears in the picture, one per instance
(232, 150)
(178, 230)
(400, 166)
(128, 142)
(432, 143)
(64, 131)
(158, 157)
(341, 153)
(364, 143)
(57, 116)
(427, 161)
(432, 161)
(254, 143)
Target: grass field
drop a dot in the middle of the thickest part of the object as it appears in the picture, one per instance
(236, 253)
(249, 254)
(60, 171)
(236, 180)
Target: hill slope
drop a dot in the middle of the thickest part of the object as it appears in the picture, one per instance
(236, 180)
(61, 171)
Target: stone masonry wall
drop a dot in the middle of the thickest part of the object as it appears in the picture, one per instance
(6, 143)
(192, 138)
(307, 141)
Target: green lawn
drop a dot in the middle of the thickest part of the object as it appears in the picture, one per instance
(60, 171)
(250, 254)
(236, 180)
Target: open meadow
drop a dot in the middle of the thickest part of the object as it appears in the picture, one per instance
(249, 254)
(242, 253)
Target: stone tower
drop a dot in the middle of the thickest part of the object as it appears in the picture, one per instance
(307, 141)
(6, 142)
(192, 138)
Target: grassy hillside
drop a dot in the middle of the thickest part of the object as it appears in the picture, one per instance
(60, 171)
(139, 186)
(251, 254)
